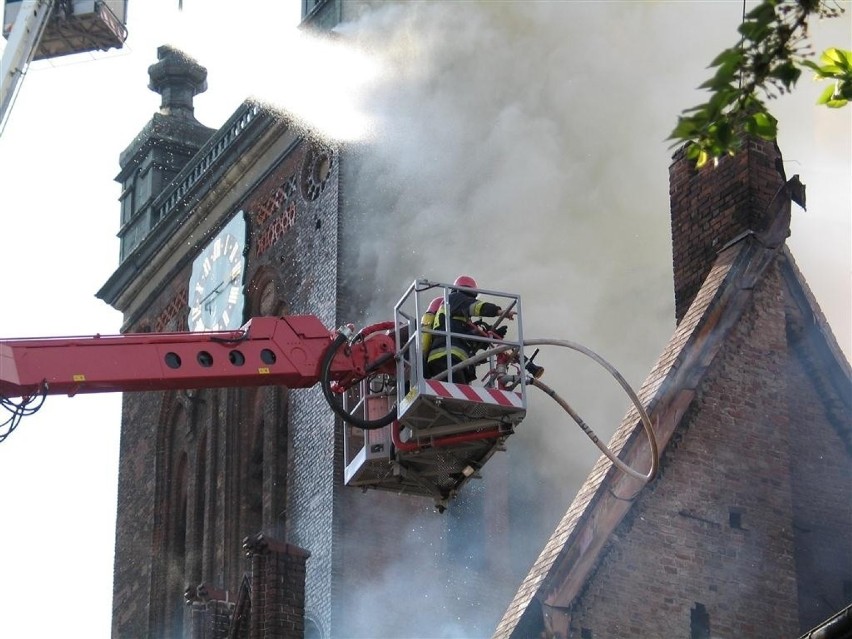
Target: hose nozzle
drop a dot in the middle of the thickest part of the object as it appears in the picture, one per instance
(532, 368)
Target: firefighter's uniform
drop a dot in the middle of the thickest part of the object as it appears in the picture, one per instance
(462, 306)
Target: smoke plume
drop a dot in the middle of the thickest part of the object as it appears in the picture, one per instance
(511, 146)
(522, 143)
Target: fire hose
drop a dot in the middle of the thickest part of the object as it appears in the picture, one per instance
(643, 415)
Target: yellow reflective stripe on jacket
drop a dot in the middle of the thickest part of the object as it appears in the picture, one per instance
(441, 353)
(439, 318)
(476, 309)
(426, 321)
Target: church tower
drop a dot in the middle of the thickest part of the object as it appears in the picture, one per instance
(226, 494)
(203, 473)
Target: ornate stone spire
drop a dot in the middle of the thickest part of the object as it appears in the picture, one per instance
(178, 79)
(163, 147)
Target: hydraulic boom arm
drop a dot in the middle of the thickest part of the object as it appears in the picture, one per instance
(403, 431)
(286, 351)
(19, 51)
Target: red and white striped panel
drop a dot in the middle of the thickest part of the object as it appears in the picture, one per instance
(476, 393)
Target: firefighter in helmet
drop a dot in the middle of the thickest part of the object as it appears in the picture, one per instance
(463, 305)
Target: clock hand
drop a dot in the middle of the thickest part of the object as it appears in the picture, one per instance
(205, 301)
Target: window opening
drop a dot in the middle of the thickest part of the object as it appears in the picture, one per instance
(699, 622)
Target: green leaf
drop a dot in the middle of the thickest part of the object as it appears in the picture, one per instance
(764, 12)
(813, 66)
(724, 134)
(830, 70)
(724, 98)
(763, 125)
(684, 130)
(835, 96)
(838, 57)
(787, 74)
(826, 96)
(728, 57)
(754, 31)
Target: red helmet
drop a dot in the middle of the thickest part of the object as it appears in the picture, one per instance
(434, 305)
(465, 280)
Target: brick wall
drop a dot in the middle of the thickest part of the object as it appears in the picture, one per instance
(713, 205)
(134, 526)
(210, 619)
(142, 519)
(714, 537)
(277, 589)
(821, 474)
(294, 225)
(176, 529)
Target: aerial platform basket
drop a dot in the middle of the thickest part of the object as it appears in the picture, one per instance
(446, 429)
(429, 407)
(76, 26)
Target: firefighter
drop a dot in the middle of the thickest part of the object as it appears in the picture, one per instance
(463, 305)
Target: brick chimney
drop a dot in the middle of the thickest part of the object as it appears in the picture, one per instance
(715, 204)
(277, 588)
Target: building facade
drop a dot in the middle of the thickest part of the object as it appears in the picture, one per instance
(218, 226)
(202, 470)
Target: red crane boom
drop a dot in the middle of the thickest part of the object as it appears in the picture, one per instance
(266, 351)
(403, 432)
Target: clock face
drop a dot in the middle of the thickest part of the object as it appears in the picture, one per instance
(216, 286)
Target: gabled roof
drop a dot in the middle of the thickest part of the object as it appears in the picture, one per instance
(575, 547)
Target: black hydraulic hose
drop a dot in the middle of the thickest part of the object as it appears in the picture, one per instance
(335, 404)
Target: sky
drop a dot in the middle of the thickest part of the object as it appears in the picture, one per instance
(559, 138)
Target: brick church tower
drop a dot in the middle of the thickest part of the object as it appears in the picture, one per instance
(200, 471)
(745, 530)
(233, 518)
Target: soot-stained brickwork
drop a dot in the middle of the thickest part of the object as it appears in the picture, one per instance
(202, 469)
(717, 528)
(294, 247)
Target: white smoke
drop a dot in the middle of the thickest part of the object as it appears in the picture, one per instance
(509, 145)
(514, 148)
(522, 143)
